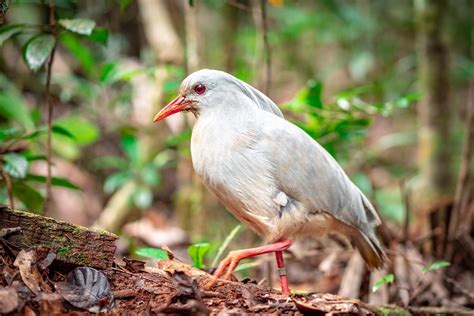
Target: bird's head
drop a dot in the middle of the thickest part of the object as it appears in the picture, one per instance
(207, 88)
(196, 93)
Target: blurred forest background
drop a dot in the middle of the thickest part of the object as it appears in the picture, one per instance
(385, 86)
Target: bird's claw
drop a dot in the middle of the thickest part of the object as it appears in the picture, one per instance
(229, 263)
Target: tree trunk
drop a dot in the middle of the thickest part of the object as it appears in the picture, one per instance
(434, 119)
(148, 99)
(434, 110)
(73, 244)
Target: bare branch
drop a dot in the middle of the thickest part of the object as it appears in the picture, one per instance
(49, 102)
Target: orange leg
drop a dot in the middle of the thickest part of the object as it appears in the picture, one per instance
(230, 262)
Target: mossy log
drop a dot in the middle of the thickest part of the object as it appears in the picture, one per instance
(73, 244)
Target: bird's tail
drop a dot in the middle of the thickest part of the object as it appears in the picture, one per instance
(370, 249)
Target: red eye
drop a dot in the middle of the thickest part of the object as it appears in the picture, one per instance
(199, 88)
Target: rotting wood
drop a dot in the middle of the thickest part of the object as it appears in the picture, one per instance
(74, 244)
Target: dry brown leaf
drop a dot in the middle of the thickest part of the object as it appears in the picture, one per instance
(26, 263)
(8, 300)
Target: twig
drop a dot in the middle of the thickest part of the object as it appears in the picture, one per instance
(8, 182)
(52, 21)
(266, 48)
(406, 201)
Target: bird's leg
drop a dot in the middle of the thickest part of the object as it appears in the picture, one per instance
(230, 262)
(285, 290)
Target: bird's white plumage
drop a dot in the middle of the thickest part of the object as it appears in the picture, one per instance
(268, 172)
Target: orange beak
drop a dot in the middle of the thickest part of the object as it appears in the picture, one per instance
(177, 105)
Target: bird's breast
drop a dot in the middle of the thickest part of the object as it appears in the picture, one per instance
(230, 165)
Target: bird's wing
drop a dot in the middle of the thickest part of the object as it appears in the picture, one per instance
(259, 99)
(305, 171)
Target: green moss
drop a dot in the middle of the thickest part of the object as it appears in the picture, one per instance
(392, 311)
(81, 259)
(63, 251)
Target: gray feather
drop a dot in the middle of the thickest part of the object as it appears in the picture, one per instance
(270, 174)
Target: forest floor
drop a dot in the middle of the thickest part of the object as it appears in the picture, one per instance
(37, 279)
(31, 288)
(132, 288)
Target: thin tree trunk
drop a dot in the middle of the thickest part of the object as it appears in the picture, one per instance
(231, 18)
(164, 41)
(434, 116)
(434, 109)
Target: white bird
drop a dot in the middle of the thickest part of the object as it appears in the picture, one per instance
(268, 172)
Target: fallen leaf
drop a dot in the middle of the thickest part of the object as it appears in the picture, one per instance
(49, 303)
(188, 288)
(87, 288)
(173, 266)
(192, 307)
(8, 300)
(26, 263)
(133, 265)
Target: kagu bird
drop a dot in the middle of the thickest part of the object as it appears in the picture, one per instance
(268, 172)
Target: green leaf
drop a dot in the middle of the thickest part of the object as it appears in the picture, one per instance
(313, 97)
(34, 134)
(435, 266)
(197, 253)
(130, 147)
(388, 278)
(109, 162)
(108, 72)
(8, 31)
(37, 50)
(56, 129)
(79, 26)
(81, 130)
(154, 253)
(162, 158)
(116, 180)
(150, 175)
(9, 133)
(124, 4)
(143, 197)
(31, 198)
(56, 181)
(80, 52)
(15, 165)
(225, 244)
(100, 35)
(31, 157)
(12, 107)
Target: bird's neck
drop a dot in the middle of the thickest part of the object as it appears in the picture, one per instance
(227, 114)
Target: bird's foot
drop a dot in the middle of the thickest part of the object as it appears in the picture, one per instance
(229, 263)
(233, 258)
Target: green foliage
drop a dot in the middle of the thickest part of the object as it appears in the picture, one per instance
(387, 279)
(225, 244)
(154, 253)
(30, 197)
(15, 164)
(435, 266)
(37, 50)
(9, 30)
(56, 181)
(79, 26)
(12, 106)
(197, 253)
(341, 124)
(134, 169)
(81, 130)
